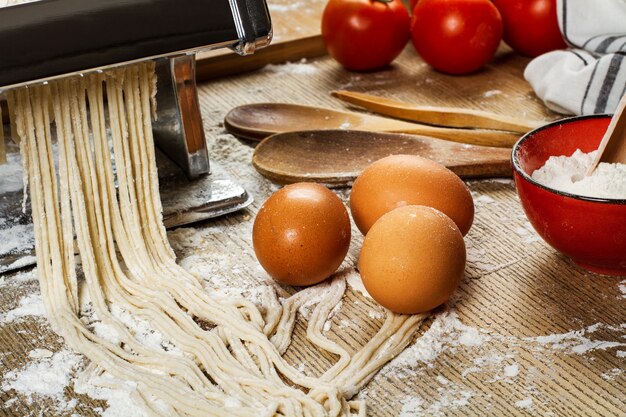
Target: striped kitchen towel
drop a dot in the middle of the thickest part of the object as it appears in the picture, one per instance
(590, 77)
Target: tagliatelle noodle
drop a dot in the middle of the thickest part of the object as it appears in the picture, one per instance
(3, 154)
(127, 262)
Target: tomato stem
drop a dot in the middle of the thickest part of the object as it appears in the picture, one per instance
(384, 1)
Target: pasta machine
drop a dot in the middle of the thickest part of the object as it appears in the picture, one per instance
(50, 39)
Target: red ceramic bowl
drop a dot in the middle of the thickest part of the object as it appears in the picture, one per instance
(591, 231)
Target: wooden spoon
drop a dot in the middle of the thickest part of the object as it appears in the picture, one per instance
(439, 116)
(258, 121)
(612, 149)
(337, 157)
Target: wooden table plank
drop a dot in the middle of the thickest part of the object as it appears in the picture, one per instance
(516, 290)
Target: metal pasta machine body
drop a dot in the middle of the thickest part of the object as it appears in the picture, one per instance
(48, 39)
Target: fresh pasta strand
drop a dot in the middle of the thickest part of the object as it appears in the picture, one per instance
(129, 266)
(3, 152)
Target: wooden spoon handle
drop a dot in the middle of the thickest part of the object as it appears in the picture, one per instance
(439, 116)
(612, 149)
(260, 120)
(480, 137)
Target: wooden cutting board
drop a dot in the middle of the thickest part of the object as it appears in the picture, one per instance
(499, 87)
(296, 26)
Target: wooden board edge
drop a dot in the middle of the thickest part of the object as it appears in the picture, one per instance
(211, 67)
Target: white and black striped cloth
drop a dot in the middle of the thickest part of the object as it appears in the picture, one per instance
(589, 78)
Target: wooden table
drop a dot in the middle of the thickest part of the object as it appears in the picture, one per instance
(527, 333)
(517, 290)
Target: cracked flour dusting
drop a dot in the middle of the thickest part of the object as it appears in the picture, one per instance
(449, 335)
(49, 375)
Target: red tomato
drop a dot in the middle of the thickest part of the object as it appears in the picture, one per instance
(412, 5)
(531, 26)
(365, 34)
(456, 36)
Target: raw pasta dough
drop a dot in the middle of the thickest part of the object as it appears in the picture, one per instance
(127, 261)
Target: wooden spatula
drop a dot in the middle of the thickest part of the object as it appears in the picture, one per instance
(258, 121)
(612, 149)
(337, 157)
(439, 116)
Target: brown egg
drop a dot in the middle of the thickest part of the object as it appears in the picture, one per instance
(412, 259)
(401, 180)
(301, 234)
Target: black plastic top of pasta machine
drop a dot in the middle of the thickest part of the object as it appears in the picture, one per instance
(51, 38)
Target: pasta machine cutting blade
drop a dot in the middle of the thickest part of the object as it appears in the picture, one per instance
(50, 39)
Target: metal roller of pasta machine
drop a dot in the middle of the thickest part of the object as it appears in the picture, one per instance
(50, 39)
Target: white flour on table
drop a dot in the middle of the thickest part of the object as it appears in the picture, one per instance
(11, 174)
(48, 377)
(301, 67)
(448, 335)
(29, 306)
